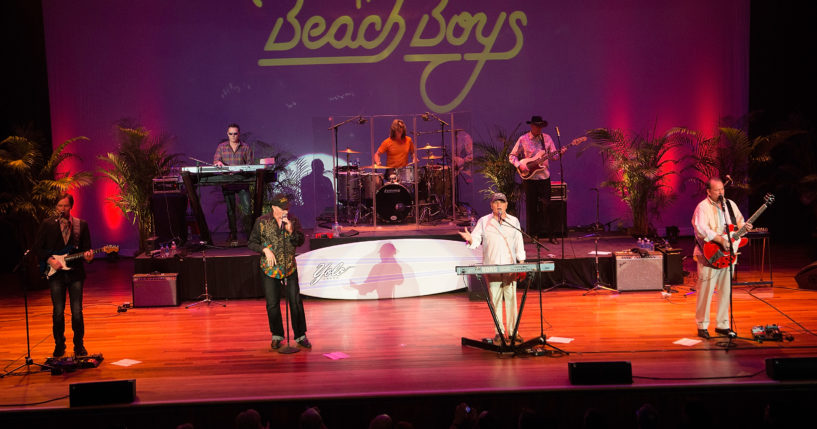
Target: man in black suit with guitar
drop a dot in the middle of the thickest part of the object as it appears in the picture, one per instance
(531, 156)
(56, 238)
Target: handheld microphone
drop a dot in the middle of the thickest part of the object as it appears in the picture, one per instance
(729, 180)
(558, 134)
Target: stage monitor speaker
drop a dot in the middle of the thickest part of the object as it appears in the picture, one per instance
(637, 272)
(673, 266)
(155, 290)
(804, 368)
(102, 393)
(807, 277)
(169, 213)
(556, 212)
(583, 373)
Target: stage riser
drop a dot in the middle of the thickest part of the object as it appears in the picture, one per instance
(227, 276)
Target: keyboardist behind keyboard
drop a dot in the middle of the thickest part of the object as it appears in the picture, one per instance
(502, 243)
(234, 152)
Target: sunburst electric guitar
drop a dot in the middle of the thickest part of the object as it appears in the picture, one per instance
(537, 162)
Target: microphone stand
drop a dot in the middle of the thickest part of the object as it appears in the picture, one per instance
(443, 124)
(206, 298)
(541, 340)
(286, 350)
(334, 129)
(562, 267)
(732, 333)
(28, 360)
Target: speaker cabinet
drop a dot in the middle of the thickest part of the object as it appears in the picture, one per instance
(807, 277)
(102, 393)
(673, 266)
(556, 223)
(792, 368)
(583, 373)
(637, 272)
(169, 214)
(155, 290)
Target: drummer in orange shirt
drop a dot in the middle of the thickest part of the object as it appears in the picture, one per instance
(397, 147)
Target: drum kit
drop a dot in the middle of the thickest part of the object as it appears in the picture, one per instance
(362, 190)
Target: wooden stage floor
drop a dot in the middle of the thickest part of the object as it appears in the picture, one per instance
(398, 348)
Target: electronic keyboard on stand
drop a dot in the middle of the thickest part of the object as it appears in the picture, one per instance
(506, 346)
(210, 175)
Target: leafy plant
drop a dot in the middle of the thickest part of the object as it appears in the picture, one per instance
(32, 184)
(732, 152)
(139, 159)
(492, 162)
(638, 167)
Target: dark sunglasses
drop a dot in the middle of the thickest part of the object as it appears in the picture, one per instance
(232, 134)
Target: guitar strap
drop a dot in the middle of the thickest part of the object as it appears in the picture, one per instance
(731, 213)
(75, 229)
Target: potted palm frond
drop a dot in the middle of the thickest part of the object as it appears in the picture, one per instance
(638, 167)
(138, 160)
(30, 185)
(492, 162)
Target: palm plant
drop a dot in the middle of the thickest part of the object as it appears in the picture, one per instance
(139, 159)
(732, 152)
(493, 164)
(32, 184)
(638, 168)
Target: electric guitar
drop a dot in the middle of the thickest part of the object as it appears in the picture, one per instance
(64, 257)
(536, 162)
(719, 257)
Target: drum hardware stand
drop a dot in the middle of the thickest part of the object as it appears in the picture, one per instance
(446, 179)
(28, 360)
(598, 285)
(562, 283)
(360, 120)
(206, 297)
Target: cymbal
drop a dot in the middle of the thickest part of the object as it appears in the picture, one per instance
(375, 167)
(432, 157)
(347, 150)
(429, 147)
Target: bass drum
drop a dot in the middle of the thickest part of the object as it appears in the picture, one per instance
(394, 203)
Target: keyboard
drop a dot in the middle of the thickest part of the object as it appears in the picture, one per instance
(505, 268)
(225, 169)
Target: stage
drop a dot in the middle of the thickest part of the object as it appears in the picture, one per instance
(404, 357)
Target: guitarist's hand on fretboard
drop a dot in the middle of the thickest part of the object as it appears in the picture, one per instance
(89, 256)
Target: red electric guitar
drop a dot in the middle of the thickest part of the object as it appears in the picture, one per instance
(719, 257)
(537, 162)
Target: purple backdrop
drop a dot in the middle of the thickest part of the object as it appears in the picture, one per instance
(190, 68)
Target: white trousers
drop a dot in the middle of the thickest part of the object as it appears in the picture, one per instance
(710, 279)
(508, 294)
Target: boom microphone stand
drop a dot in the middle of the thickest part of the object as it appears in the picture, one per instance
(541, 340)
(562, 283)
(28, 361)
(732, 333)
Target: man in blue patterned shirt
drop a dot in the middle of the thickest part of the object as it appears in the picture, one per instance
(234, 152)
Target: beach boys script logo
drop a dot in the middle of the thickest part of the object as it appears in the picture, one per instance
(437, 30)
(329, 272)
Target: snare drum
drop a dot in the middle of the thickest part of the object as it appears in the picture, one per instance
(405, 174)
(394, 203)
(349, 186)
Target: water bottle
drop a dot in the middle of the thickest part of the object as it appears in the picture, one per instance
(640, 243)
(472, 221)
(336, 229)
(173, 249)
(163, 251)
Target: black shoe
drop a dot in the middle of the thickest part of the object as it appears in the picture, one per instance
(275, 344)
(553, 241)
(304, 342)
(726, 331)
(703, 333)
(59, 350)
(80, 350)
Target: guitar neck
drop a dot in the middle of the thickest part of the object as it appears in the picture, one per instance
(742, 231)
(78, 255)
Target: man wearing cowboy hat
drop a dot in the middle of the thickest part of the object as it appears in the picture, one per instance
(536, 182)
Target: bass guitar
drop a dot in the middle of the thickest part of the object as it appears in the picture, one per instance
(64, 257)
(719, 257)
(537, 162)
